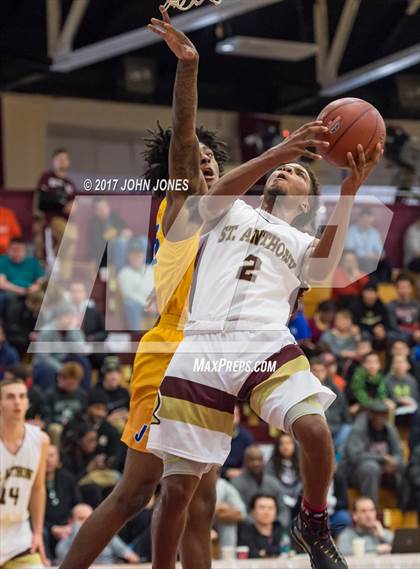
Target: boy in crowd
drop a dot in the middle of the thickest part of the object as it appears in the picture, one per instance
(368, 383)
(401, 385)
(404, 311)
(343, 337)
(262, 534)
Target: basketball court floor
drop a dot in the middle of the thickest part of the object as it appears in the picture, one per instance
(408, 561)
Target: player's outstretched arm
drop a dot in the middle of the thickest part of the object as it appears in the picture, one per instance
(238, 181)
(184, 153)
(37, 503)
(323, 258)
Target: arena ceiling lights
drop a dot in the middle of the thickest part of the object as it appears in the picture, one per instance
(262, 48)
(65, 60)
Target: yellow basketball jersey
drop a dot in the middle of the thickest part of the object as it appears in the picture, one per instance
(173, 271)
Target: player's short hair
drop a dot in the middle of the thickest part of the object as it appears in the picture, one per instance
(71, 370)
(157, 144)
(305, 219)
(11, 381)
(261, 495)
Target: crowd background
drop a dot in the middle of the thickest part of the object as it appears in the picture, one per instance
(362, 336)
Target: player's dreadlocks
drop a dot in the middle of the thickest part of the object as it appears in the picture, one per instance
(156, 154)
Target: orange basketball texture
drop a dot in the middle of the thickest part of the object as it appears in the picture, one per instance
(351, 122)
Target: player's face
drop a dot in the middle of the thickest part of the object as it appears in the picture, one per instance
(14, 402)
(291, 180)
(208, 165)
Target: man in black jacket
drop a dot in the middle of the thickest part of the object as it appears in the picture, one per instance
(371, 315)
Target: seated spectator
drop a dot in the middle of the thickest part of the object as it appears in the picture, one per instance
(371, 316)
(401, 385)
(59, 332)
(373, 453)
(136, 283)
(343, 337)
(9, 228)
(322, 320)
(330, 361)
(337, 414)
(95, 415)
(38, 412)
(19, 274)
(66, 400)
(115, 552)
(401, 348)
(365, 240)
(62, 496)
(8, 354)
(20, 320)
(348, 281)
(107, 228)
(118, 396)
(410, 487)
(254, 480)
(56, 190)
(348, 368)
(284, 465)
(412, 247)
(230, 511)
(368, 383)
(367, 526)
(241, 440)
(405, 310)
(89, 319)
(262, 533)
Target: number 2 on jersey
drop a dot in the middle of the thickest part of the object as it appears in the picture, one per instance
(251, 265)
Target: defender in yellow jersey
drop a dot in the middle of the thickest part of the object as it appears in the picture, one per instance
(197, 155)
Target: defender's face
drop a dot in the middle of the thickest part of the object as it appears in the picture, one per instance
(208, 165)
(14, 402)
(289, 180)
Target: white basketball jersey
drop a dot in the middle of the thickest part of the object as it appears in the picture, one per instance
(17, 474)
(247, 269)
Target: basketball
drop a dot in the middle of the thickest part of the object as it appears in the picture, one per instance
(351, 122)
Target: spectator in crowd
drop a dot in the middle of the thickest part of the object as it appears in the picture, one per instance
(38, 412)
(20, 320)
(412, 247)
(338, 380)
(136, 283)
(108, 228)
(322, 320)
(365, 240)
(368, 383)
(56, 190)
(262, 533)
(404, 311)
(59, 332)
(373, 453)
(343, 337)
(366, 526)
(19, 273)
(401, 385)
(62, 496)
(9, 228)
(410, 487)
(89, 319)
(284, 465)
(96, 415)
(401, 348)
(348, 281)
(118, 396)
(230, 511)
(254, 480)
(8, 354)
(115, 552)
(337, 415)
(65, 400)
(371, 316)
(241, 440)
(348, 368)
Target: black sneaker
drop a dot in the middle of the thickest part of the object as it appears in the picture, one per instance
(318, 544)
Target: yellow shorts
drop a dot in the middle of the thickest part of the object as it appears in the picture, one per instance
(148, 373)
(24, 562)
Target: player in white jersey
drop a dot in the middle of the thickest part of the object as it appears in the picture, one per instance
(251, 263)
(23, 456)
